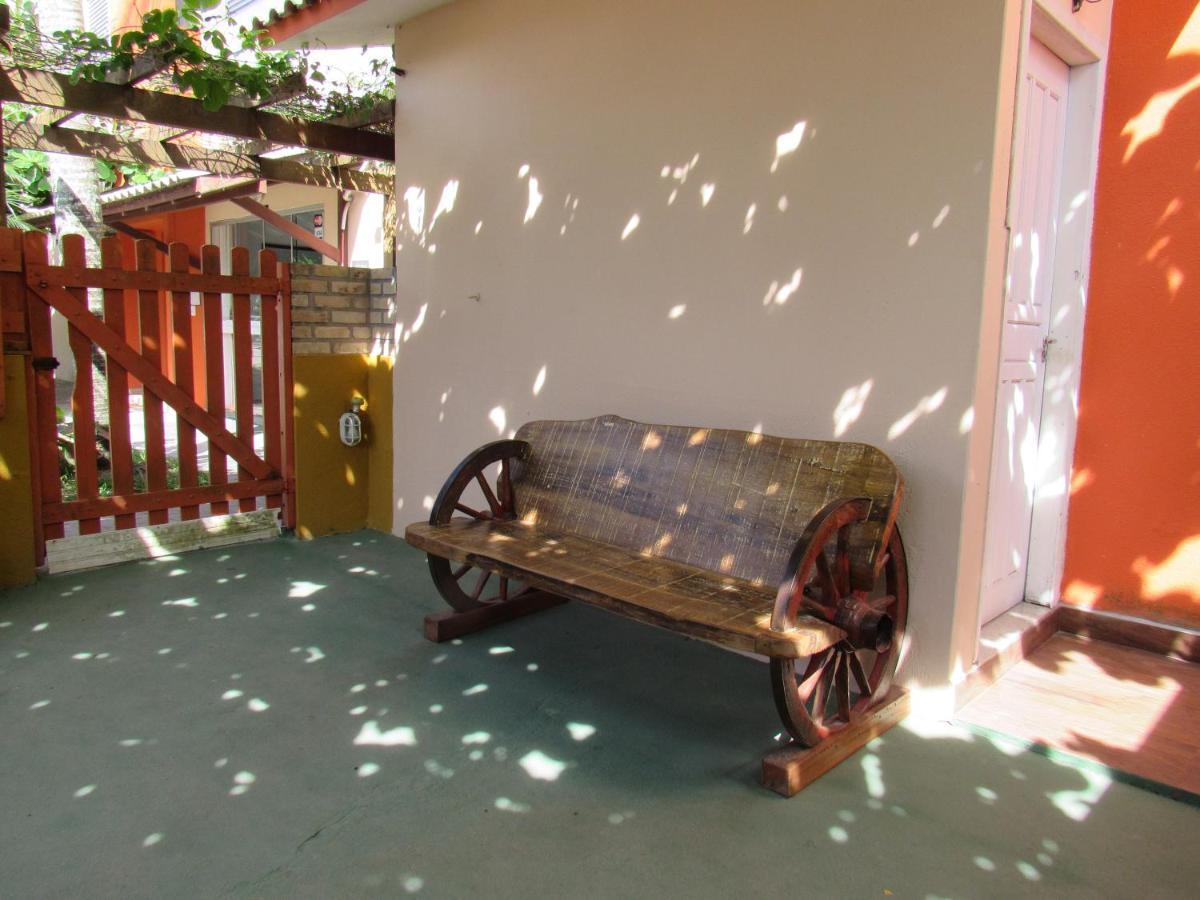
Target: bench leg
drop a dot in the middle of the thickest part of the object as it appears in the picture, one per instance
(790, 769)
(445, 626)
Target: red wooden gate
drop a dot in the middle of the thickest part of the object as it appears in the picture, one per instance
(146, 339)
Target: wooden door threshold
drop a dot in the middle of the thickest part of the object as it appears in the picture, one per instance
(1003, 643)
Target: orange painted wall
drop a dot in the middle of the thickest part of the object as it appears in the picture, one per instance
(189, 227)
(1133, 542)
(124, 14)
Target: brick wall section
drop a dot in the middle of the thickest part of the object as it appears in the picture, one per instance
(342, 310)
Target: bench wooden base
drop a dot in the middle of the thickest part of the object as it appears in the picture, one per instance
(790, 769)
(445, 626)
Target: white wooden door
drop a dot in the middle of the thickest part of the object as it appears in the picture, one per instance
(1041, 136)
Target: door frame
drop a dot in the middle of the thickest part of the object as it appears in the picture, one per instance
(1052, 23)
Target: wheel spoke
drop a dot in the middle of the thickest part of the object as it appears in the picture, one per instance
(473, 513)
(503, 589)
(504, 486)
(841, 677)
(458, 573)
(816, 668)
(882, 603)
(842, 562)
(821, 693)
(483, 580)
(493, 503)
(825, 577)
(860, 675)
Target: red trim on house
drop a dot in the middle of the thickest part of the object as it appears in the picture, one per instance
(299, 18)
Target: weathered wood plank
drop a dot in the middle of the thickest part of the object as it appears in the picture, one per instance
(127, 504)
(720, 609)
(186, 155)
(150, 280)
(790, 769)
(45, 431)
(120, 443)
(150, 328)
(243, 374)
(731, 501)
(181, 332)
(83, 410)
(53, 90)
(214, 369)
(272, 366)
(445, 626)
(155, 541)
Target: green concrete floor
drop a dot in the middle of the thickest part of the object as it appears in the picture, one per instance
(267, 721)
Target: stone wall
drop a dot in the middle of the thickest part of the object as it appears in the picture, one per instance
(336, 309)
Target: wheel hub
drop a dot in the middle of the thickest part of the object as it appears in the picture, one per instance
(867, 626)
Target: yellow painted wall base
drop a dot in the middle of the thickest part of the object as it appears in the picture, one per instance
(337, 488)
(379, 451)
(16, 483)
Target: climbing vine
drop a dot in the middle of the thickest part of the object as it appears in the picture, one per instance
(202, 53)
(27, 173)
(193, 50)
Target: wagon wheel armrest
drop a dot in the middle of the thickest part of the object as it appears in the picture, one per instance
(812, 582)
(467, 471)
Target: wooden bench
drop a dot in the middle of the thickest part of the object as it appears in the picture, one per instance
(781, 547)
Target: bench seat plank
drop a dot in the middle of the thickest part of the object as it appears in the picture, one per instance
(720, 609)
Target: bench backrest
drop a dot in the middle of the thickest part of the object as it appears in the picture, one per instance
(729, 501)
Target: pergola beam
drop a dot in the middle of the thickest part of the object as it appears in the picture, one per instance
(164, 154)
(135, 104)
(340, 177)
(182, 155)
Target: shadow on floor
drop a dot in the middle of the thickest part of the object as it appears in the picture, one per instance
(267, 721)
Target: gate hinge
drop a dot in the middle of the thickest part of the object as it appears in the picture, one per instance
(44, 363)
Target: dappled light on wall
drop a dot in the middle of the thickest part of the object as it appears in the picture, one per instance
(779, 294)
(1149, 123)
(498, 418)
(924, 407)
(788, 142)
(850, 407)
(1177, 575)
(535, 200)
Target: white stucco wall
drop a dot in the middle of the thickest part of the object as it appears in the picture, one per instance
(832, 291)
(364, 231)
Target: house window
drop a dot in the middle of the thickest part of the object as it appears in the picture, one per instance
(255, 235)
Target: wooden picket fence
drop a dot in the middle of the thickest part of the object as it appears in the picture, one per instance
(151, 340)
